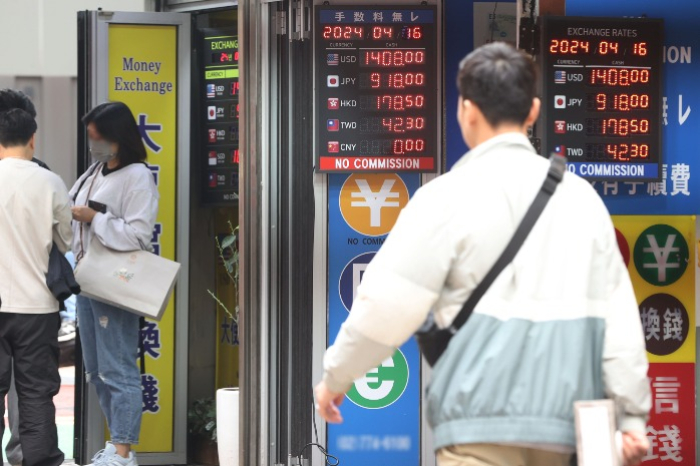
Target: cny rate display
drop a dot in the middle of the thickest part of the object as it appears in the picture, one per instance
(602, 95)
(376, 89)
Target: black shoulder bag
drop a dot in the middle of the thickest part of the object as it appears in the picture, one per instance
(434, 340)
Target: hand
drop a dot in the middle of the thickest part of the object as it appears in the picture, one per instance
(327, 404)
(83, 214)
(634, 447)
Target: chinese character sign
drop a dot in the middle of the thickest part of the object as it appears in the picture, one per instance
(657, 251)
(155, 109)
(671, 428)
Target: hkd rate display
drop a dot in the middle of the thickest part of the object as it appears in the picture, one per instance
(602, 95)
(376, 89)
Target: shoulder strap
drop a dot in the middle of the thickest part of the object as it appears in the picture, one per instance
(90, 171)
(554, 177)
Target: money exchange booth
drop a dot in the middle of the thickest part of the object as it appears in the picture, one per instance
(285, 138)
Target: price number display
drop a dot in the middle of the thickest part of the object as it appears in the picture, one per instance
(377, 89)
(602, 95)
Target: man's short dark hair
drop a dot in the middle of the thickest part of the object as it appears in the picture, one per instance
(16, 128)
(10, 98)
(501, 81)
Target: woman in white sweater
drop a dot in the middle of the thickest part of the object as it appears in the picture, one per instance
(115, 203)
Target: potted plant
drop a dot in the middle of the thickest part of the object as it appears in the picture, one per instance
(203, 432)
(227, 399)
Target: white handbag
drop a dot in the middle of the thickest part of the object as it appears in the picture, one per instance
(136, 281)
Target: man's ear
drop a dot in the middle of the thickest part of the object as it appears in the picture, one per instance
(471, 112)
(32, 142)
(534, 112)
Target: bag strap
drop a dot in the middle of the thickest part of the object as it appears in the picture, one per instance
(81, 254)
(554, 176)
(91, 170)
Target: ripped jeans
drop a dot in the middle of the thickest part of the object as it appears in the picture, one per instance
(110, 340)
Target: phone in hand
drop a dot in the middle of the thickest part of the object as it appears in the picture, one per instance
(98, 207)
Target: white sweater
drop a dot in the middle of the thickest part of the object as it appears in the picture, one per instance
(34, 213)
(131, 197)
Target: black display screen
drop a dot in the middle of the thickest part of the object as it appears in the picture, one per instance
(219, 153)
(602, 95)
(376, 89)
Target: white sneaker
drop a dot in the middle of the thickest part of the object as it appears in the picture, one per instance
(116, 460)
(108, 450)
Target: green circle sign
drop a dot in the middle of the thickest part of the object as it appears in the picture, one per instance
(383, 386)
(661, 255)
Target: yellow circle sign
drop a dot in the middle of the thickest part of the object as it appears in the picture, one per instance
(370, 204)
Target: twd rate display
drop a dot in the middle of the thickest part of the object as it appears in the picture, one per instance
(376, 89)
(602, 95)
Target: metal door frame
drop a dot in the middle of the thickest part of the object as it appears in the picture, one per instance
(97, 76)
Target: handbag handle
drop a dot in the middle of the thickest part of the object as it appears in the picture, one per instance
(557, 168)
(87, 199)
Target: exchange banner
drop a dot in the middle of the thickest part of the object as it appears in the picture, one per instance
(145, 79)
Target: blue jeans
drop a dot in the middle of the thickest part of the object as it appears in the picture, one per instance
(110, 339)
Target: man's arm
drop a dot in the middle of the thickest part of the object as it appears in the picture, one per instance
(398, 289)
(62, 231)
(625, 363)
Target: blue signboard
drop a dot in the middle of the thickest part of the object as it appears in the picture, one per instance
(679, 191)
(461, 18)
(382, 410)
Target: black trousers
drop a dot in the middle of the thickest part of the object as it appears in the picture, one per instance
(31, 342)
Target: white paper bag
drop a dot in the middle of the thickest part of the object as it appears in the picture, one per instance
(136, 281)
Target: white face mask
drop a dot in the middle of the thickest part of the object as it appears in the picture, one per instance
(102, 151)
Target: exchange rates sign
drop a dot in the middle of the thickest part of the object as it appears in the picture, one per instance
(602, 95)
(376, 89)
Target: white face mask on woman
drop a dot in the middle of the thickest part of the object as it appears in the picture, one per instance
(102, 151)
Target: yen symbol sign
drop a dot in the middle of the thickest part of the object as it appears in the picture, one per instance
(383, 386)
(661, 255)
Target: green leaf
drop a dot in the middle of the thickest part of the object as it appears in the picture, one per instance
(228, 242)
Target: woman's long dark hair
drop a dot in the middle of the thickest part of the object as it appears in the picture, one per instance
(115, 122)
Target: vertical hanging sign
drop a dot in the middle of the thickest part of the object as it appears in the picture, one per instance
(145, 79)
(382, 414)
(658, 253)
(220, 130)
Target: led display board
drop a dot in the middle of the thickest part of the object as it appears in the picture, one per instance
(602, 95)
(376, 89)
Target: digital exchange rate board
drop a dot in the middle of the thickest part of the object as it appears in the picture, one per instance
(602, 95)
(376, 89)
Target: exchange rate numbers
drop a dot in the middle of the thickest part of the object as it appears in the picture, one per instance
(627, 152)
(617, 102)
(618, 77)
(618, 127)
(401, 125)
(394, 58)
(396, 80)
(397, 103)
(407, 146)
